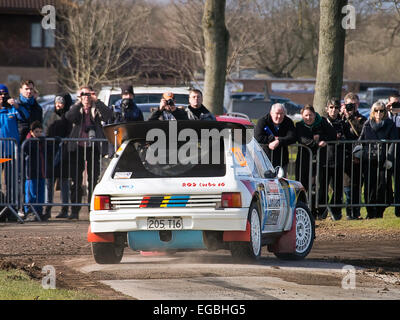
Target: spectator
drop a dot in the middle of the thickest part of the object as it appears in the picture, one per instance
(196, 110)
(57, 159)
(313, 131)
(35, 162)
(393, 102)
(86, 116)
(27, 101)
(275, 132)
(168, 110)
(125, 109)
(334, 177)
(378, 160)
(394, 107)
(10, 113)
(352, 179)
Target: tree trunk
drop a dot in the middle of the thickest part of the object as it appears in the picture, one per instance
(216, 41)
(331, 53)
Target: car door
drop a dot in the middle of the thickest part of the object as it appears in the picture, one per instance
(273, 195)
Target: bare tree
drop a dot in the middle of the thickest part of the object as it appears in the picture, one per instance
(287, 30)
(216, 42)
(331, 53)
(96, 40)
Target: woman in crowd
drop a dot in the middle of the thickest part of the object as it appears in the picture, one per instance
(377, 160)
(313, 131)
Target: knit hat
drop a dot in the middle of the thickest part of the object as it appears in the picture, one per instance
(3, 88)
(59, 99)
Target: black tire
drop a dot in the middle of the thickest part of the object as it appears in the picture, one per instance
(249, 250)
(305, 234)
(107, 253)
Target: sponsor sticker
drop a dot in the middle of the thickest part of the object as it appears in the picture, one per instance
(122, 175)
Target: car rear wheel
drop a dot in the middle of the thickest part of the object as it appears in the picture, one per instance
(107, 253)
(249, 250)
(305, 234)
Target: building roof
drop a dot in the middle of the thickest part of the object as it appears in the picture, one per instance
(24, 6)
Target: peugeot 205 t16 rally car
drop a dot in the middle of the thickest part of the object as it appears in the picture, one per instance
(187, 185)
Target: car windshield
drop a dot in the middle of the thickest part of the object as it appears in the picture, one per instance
(182, 99)
(152, 159)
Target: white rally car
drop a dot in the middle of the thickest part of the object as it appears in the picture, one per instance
(190, 185)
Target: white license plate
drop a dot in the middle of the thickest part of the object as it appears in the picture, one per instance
(164, 223)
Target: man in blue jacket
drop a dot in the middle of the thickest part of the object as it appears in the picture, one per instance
(9, 114)
(28, 102)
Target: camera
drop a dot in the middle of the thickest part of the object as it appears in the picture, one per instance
(396, 105)
(5, 99)
(90, 130)
(170, 102)
(350, 107)
(126, 104)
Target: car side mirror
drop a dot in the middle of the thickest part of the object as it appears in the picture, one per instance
(280, 173)
(269, 174)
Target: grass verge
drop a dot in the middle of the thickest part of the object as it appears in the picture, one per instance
(17, 285)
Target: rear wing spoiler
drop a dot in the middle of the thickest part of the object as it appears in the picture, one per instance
(118, 133)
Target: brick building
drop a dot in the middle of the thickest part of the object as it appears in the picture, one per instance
(25, 45)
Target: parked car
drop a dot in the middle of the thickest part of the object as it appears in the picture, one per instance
(375, 94)
(249, 96)
(158, 198)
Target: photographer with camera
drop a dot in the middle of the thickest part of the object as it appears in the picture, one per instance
(168, 110)
(125, 109)
(86, 116)
(353, 123)
(10, 113)
(393, 107)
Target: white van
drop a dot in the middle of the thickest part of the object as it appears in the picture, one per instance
(146, 97)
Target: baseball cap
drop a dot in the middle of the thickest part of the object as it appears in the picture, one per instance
(168, 95)
(127, 89)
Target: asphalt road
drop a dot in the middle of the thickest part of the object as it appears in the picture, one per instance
(331, 271)
(213, 276)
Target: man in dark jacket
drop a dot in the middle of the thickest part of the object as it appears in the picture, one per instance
(86, 116)
(314, 132)
(125, 109)
(57, 126)
(27, 101)
(168, 110)
(334, 171)
(275, 132)
(196, 110)
(353, 122)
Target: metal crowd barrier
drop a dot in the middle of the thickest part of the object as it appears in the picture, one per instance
(335, 181)
(359, 166)
(9, 177)
(75, 165)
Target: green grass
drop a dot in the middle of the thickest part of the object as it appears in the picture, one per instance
(389, 221)
(16, 285)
